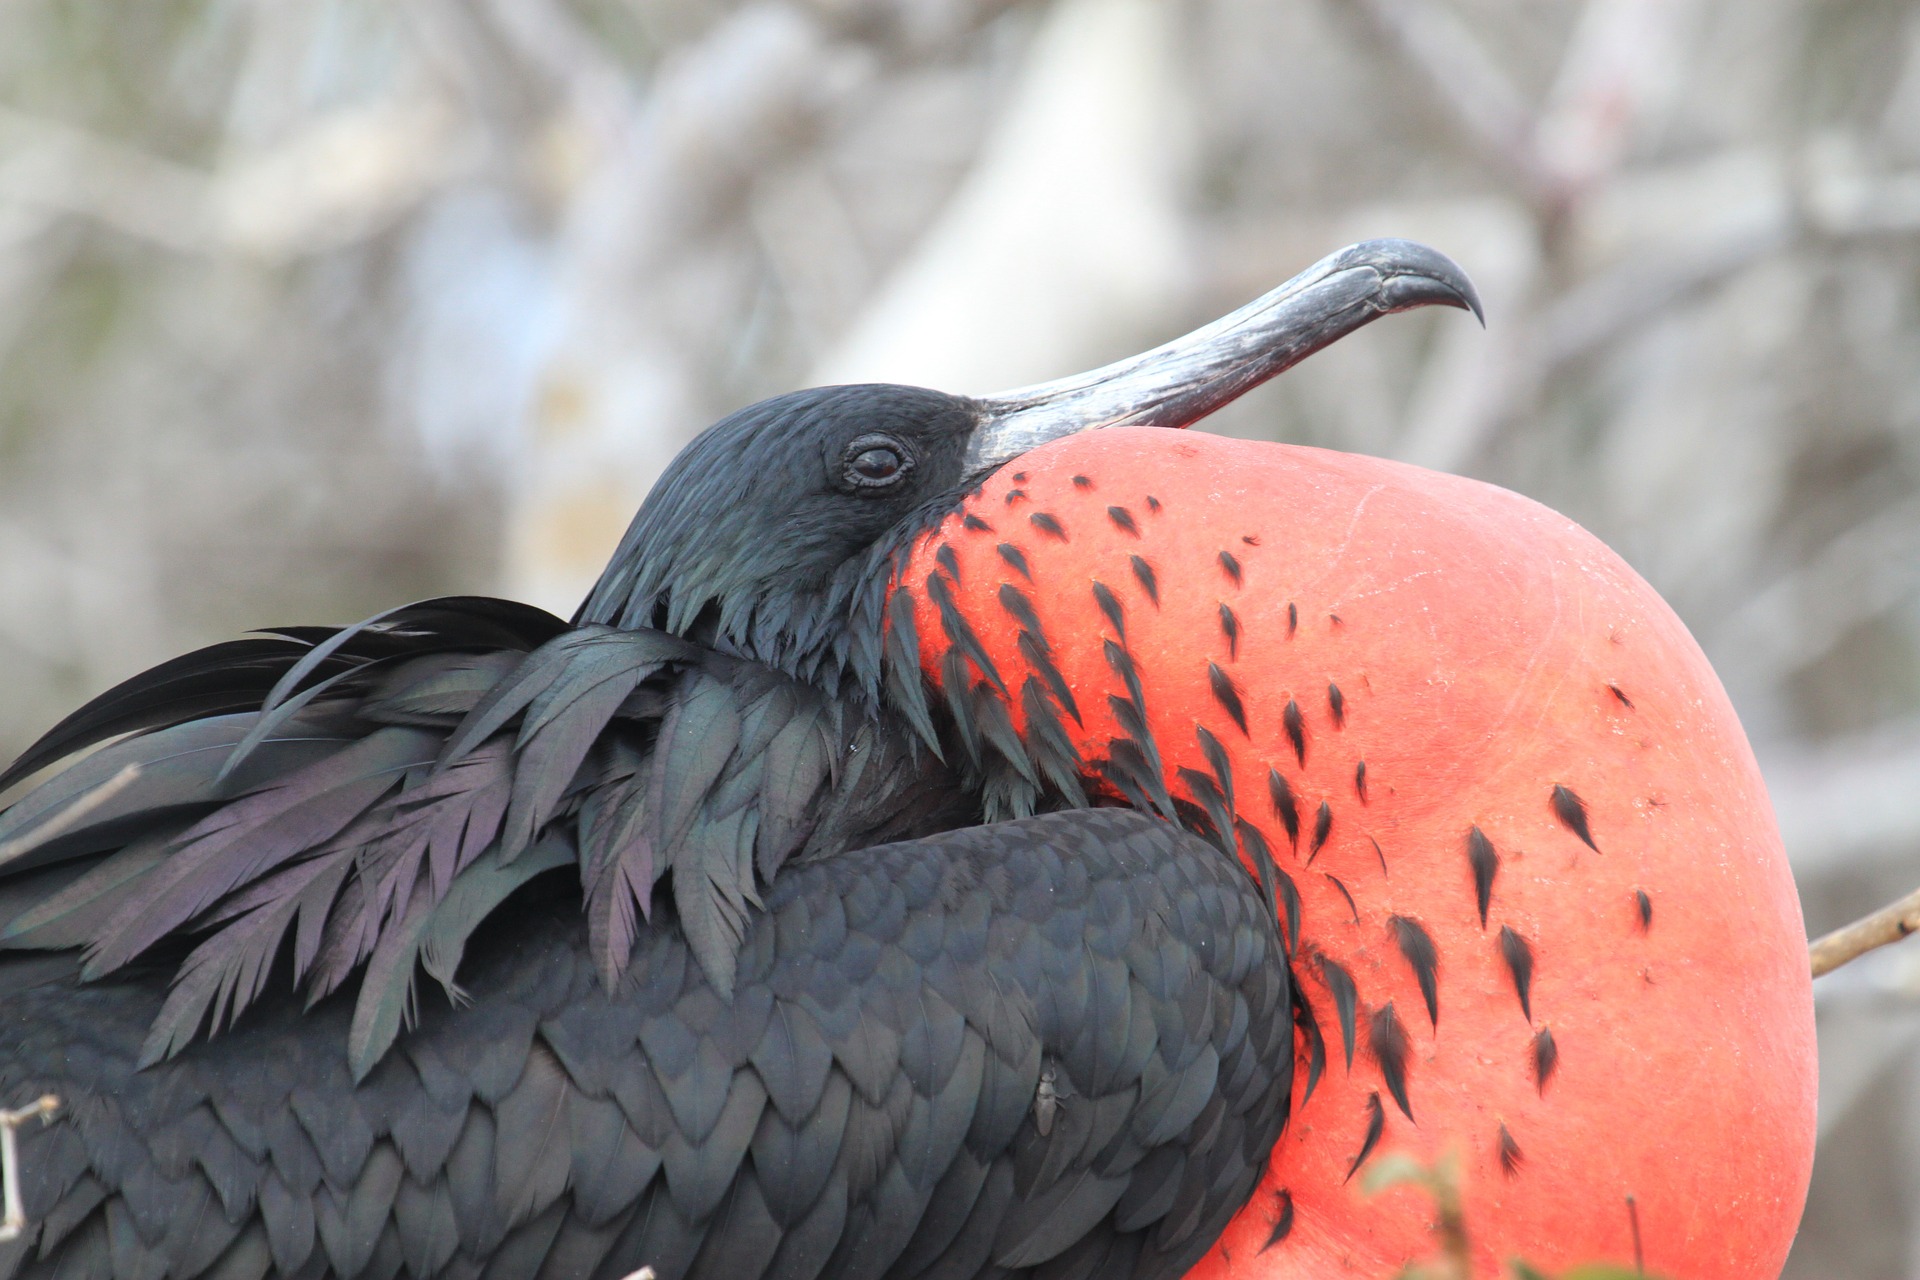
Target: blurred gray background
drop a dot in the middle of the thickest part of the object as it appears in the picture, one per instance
(310, 307)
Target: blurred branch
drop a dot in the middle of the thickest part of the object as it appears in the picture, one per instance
(1430, 37)
(1803, 612)
(1889, 924)
(14, 1220)
(1846, 197)
(31, 260)
(550, 38)
(1617, 72)
(1614, 302)
(1848, 801)
(666, 267)
(1619, 62)
(1841, 199)
(58, 168)
(344, 177)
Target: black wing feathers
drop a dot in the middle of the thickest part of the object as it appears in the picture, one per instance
(302, 824)
(263, 674)
(219, 680)
(556, 1128)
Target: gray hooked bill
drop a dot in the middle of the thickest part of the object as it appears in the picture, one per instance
(1182, 382)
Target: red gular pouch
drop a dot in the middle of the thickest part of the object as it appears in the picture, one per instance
(1546, 924)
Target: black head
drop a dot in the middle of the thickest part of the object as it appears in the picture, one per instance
(772, 534)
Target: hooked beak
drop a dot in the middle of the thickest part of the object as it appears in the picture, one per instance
(1182, 382)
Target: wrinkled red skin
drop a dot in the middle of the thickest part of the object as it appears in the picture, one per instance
(1477, 639)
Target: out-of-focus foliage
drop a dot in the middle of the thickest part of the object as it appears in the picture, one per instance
(312, 306)
(1452, 1257)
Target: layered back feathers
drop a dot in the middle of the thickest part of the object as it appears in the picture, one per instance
(320, 803)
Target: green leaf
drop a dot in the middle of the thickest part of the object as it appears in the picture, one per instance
(1392, 1171)
(1588, 1271)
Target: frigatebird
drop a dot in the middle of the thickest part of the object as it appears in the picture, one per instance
(770, 928)
(1499, 778)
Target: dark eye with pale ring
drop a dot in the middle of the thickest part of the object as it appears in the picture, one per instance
(875, 462)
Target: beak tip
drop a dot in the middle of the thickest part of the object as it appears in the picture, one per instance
(1470, 300)
(1412, 275)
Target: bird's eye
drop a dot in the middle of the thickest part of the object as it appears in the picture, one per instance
(875, 463)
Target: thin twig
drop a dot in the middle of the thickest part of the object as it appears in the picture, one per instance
(1627, 297)
(1849, 942)
(15, 1219)
(1463, 75)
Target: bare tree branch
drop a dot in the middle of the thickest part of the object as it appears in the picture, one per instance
(1611, 304)
(1433, 40)
(1804, 611)
(343, 178)
(1889, 924)
(14, 1220)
